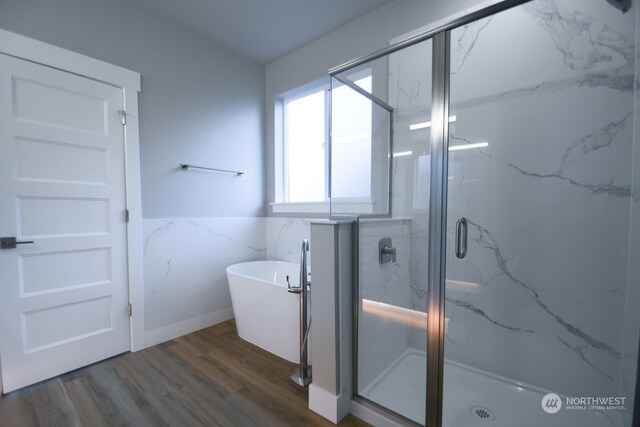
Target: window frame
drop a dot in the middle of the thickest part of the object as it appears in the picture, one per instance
(322, 208)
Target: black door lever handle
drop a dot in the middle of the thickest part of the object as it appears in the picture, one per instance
(12, 243)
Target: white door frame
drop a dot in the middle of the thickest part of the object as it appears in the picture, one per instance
(129, 81)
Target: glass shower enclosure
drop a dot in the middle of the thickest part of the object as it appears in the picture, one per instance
(494, 172)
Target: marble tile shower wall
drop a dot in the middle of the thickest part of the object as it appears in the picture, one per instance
(553, 299)
(548, 200)
(381, 340)
(410, 95)
(418, 274)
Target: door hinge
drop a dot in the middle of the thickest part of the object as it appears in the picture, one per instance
(124, 116)
(126, 215)
(130, 310)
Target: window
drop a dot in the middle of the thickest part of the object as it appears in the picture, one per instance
(305, 150)
(305, 130)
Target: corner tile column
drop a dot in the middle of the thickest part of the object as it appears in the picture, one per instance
(331, 312)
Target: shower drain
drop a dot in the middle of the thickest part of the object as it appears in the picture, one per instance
(483, 413)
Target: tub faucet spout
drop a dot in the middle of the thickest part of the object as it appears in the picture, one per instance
(293, 289)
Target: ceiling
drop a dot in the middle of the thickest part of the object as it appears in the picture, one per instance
(262, 30)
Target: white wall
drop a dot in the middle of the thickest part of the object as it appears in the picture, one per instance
(200, 103)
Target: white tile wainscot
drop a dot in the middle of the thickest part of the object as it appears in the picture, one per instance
(284, 237)
(186, 286)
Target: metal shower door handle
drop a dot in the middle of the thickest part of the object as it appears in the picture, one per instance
(461, 238)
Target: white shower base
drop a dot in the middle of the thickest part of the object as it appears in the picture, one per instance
(401, 388)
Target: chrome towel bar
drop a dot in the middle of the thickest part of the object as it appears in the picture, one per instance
(186, 166)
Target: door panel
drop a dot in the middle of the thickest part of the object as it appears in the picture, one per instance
(75, 163)
(49, 104)
(540, 167)
(58, 325)
(63, 298)
(54, 271)
(66, 216)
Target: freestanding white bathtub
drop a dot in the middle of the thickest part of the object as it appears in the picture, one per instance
(266, 314)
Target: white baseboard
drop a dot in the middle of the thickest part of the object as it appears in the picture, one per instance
(175, 330)
(332, 407)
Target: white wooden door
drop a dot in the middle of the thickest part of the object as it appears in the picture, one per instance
(64, 297)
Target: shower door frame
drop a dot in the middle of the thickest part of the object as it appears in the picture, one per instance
(436, 274)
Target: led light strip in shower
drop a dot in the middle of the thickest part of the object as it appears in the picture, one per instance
(425, 125)
(451, 148)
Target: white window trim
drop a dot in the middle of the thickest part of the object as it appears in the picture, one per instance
(355, 205)
(301, 207)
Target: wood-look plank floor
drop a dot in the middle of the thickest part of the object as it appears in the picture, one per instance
(208, 378)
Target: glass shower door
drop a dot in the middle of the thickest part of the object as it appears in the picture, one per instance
(538, 295)
(380, 171)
